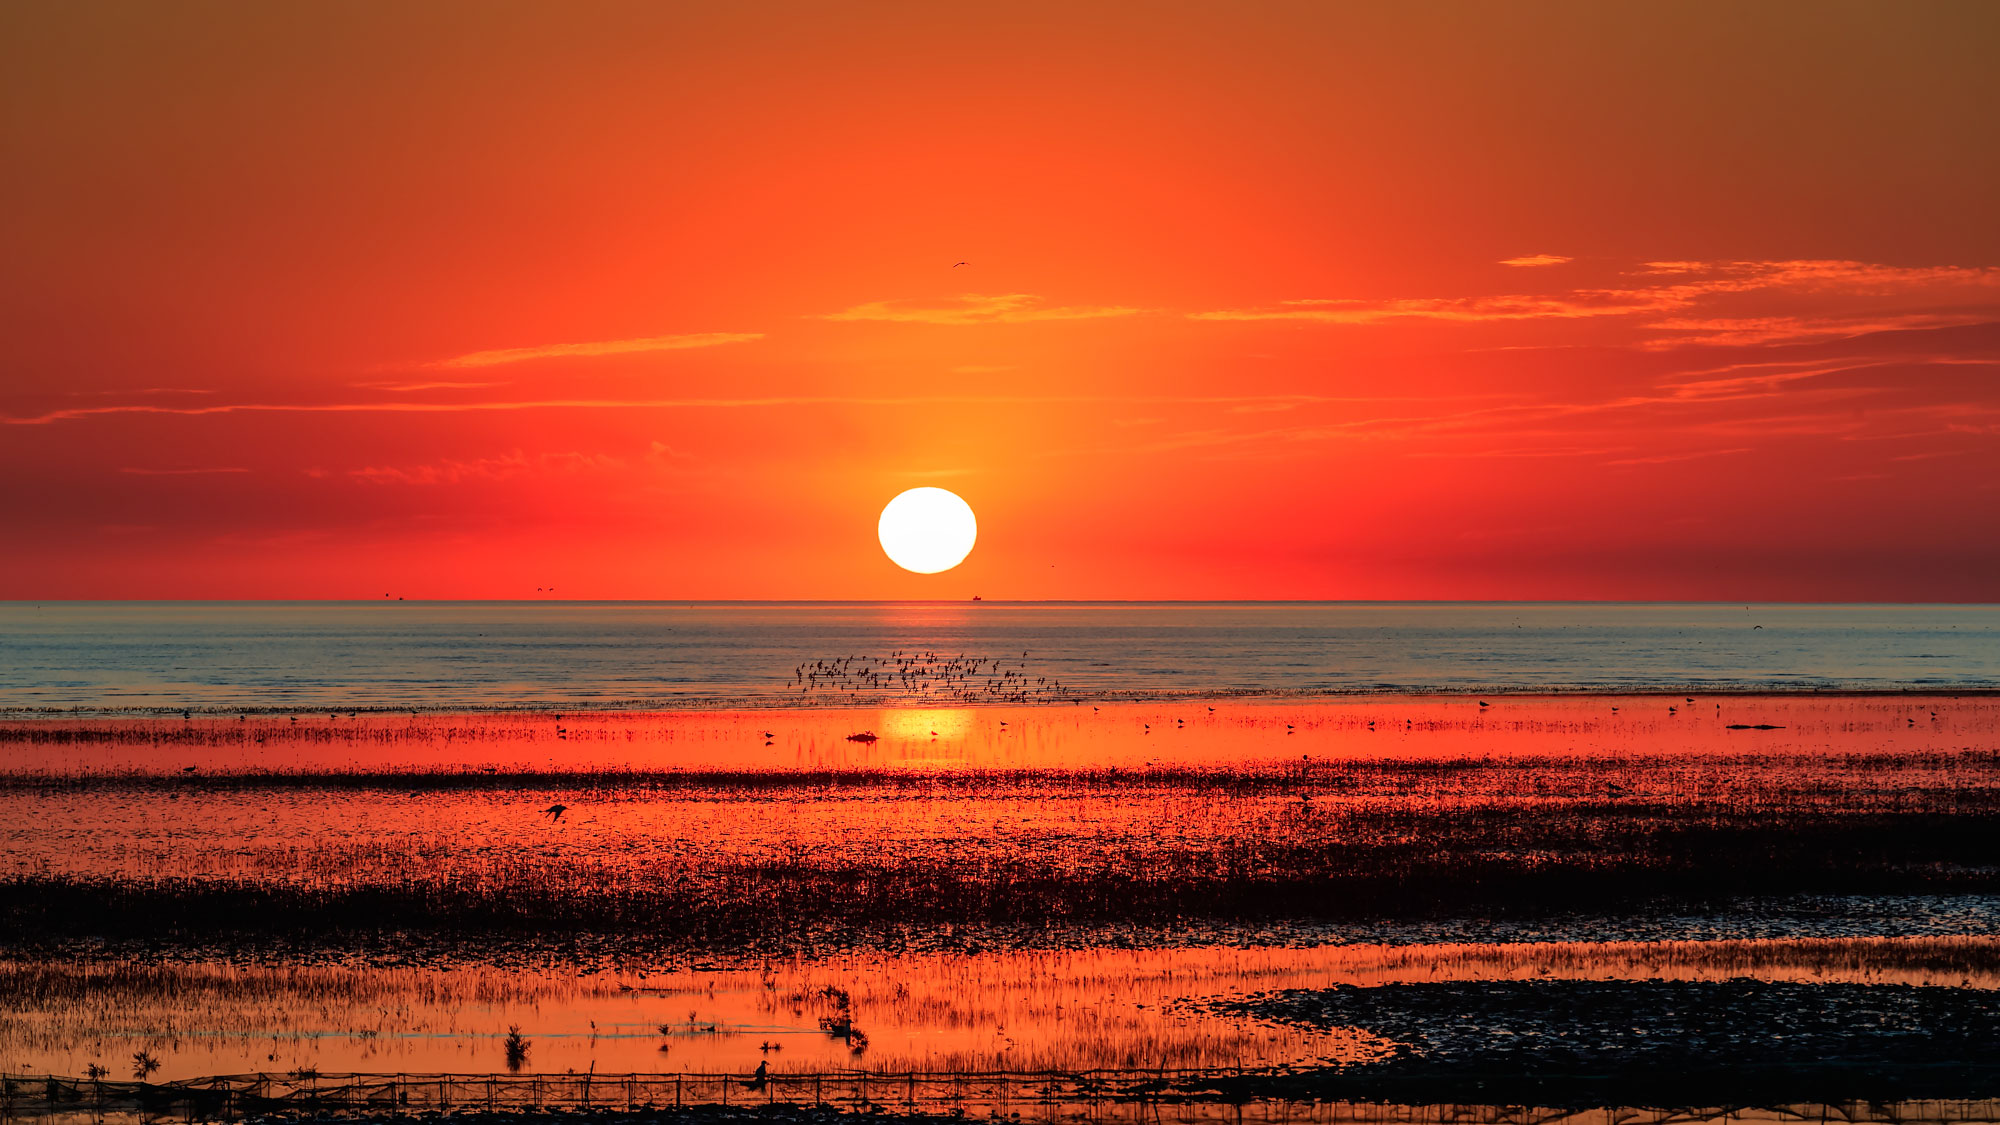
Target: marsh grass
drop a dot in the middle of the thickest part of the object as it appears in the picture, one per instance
(89, 1006)
(1069, 1011)
(865, 866)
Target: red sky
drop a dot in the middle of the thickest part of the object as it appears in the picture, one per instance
(1269, 301)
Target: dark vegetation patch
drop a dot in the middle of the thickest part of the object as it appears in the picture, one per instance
(1494, 863)
(775, 1113)
(1355, 844)
(1685, 1043)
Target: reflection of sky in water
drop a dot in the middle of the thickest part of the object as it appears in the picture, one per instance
(1232, 734)
(947, 726)
(1003, 789)
(1013, 1011)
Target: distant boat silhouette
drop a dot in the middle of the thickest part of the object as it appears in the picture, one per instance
(976, 597)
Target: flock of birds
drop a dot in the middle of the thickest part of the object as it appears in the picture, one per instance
(930, 677)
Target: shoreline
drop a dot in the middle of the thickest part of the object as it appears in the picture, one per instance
(708, 705)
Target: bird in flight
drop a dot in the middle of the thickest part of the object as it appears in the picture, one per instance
(955, 265)
(554, 812)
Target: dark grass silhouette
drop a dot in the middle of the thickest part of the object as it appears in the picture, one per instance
(1343, 841)
(1389, 867)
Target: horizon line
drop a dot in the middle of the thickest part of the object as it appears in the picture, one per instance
(990, 601)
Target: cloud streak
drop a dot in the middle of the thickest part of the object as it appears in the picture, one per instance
(406, 388)
(1578, 304)
(1743, 331)
(451, 471)
(1700, 303)
(475, 407)
(976, 308)
(498, 356)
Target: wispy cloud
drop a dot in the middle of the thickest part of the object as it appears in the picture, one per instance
(1570, 306)
(1751, 330)
(405, 388)
(1701, 302)
(101, 392)
(1717, 276)
(1536, 260)
(393, 406)
(498, 356)
(452, 471)
(976, 308)
(140, 472)
(1668, 458)
(1526, 452)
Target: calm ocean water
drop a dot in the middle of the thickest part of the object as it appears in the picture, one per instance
(172, 655)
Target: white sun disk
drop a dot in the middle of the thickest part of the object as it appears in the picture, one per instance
(927, 530)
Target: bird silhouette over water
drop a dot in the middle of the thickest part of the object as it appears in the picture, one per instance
(554, 812)
(955, 265)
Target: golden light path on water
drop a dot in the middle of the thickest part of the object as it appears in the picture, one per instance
(1230, 734)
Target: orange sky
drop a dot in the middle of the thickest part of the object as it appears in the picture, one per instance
(1315, 300)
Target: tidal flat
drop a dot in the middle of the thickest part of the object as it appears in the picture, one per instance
(1390, 898)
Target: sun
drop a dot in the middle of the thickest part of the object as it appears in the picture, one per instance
(927, 530)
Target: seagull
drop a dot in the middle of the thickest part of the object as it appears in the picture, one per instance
(955, 265)
(554, 812)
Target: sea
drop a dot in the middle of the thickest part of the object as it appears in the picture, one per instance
(141, 657)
